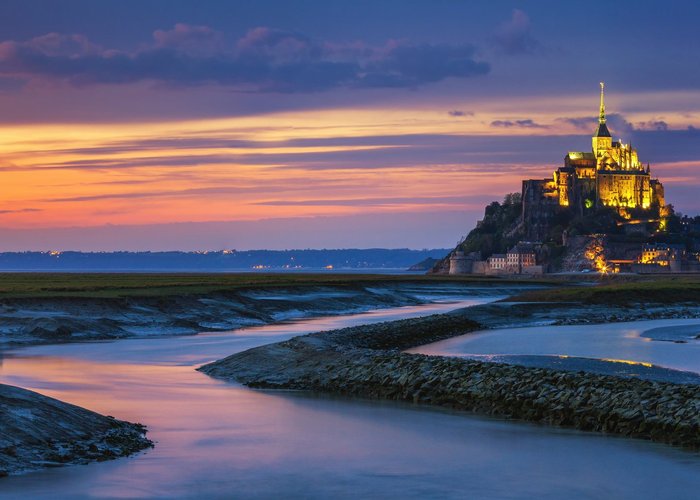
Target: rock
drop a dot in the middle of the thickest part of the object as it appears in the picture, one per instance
(38, 431)
(363, 361)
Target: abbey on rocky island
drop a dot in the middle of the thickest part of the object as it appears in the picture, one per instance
(611, 175)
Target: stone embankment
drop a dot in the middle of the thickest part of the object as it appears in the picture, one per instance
(37, 431)
(365, 362)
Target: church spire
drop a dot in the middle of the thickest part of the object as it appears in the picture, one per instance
(602, 130)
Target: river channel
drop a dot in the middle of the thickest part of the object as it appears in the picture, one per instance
(222, 440)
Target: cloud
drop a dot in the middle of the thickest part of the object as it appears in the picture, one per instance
(429, 200)
(20, 211)
(289, 185)
(264, 60)
(376, 152)
(401, 65)
(581, 123)
(651, 125)
(616, 123)
(190, 39)
(457, 113)
(528, 123)
(514, 37)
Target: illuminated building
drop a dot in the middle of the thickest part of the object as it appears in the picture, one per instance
(610, 175)
(661, 254)
(520, 259)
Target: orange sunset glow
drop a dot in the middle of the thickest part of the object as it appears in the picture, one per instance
(126, 145)
(333, 249)
(254, 167)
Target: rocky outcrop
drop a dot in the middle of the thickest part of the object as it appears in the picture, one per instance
(365, 362)
(37, 431)
(424, 265)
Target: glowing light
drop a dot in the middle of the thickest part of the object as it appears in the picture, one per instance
(628, 362)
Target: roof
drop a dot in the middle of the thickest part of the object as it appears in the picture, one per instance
(581, 155)
(602, 131)
(521, 248)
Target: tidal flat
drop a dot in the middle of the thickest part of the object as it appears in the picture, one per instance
(219, 438)
(58, 308)
(481, 306)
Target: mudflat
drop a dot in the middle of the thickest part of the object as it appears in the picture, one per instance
(38, 431)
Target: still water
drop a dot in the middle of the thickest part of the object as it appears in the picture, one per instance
(222, 440)
(668, 344)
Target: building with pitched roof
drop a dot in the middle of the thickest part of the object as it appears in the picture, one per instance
(610, 175)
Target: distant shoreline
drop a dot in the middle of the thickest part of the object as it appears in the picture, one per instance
(294, 260)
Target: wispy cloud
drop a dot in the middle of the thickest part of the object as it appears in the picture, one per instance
(20, 211)
(527, 123)
(456, 113)
(435, 200)
(177, 193)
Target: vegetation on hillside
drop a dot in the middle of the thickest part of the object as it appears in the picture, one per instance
(659, 290)
(498, 231)
(124, 285)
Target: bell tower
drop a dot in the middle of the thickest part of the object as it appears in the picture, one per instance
(602, 140)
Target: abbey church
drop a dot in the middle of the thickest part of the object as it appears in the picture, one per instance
(610, 175)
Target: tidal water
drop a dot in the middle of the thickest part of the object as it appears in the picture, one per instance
(222, 440)
(667, 350)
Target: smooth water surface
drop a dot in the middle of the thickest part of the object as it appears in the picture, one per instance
(618, 343)
(221, 440)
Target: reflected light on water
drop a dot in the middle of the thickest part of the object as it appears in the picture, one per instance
(222, 440)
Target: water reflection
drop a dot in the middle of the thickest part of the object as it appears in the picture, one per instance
(220, 440)
(615, 342)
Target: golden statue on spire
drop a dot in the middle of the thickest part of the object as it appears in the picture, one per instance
(602, 103)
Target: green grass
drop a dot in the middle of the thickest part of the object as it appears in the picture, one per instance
(662, 290)
(122, 285)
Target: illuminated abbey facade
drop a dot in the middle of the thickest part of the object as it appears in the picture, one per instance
(611, 175)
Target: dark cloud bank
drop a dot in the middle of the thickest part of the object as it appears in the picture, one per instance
(264, 60)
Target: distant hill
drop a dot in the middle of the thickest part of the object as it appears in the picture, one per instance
(424, 265)
(226, 260)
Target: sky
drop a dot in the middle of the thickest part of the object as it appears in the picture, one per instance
(209, 125)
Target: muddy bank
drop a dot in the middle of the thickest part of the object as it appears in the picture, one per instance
(367, 362)
(37, 431)
(68, 319)
(505, 314)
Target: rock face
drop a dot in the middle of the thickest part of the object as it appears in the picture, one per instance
(37, 431)
(360, 362)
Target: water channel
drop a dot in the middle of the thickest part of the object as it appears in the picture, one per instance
(222, 440)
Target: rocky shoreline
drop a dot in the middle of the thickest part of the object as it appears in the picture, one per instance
(367, 362)
(38, 432)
